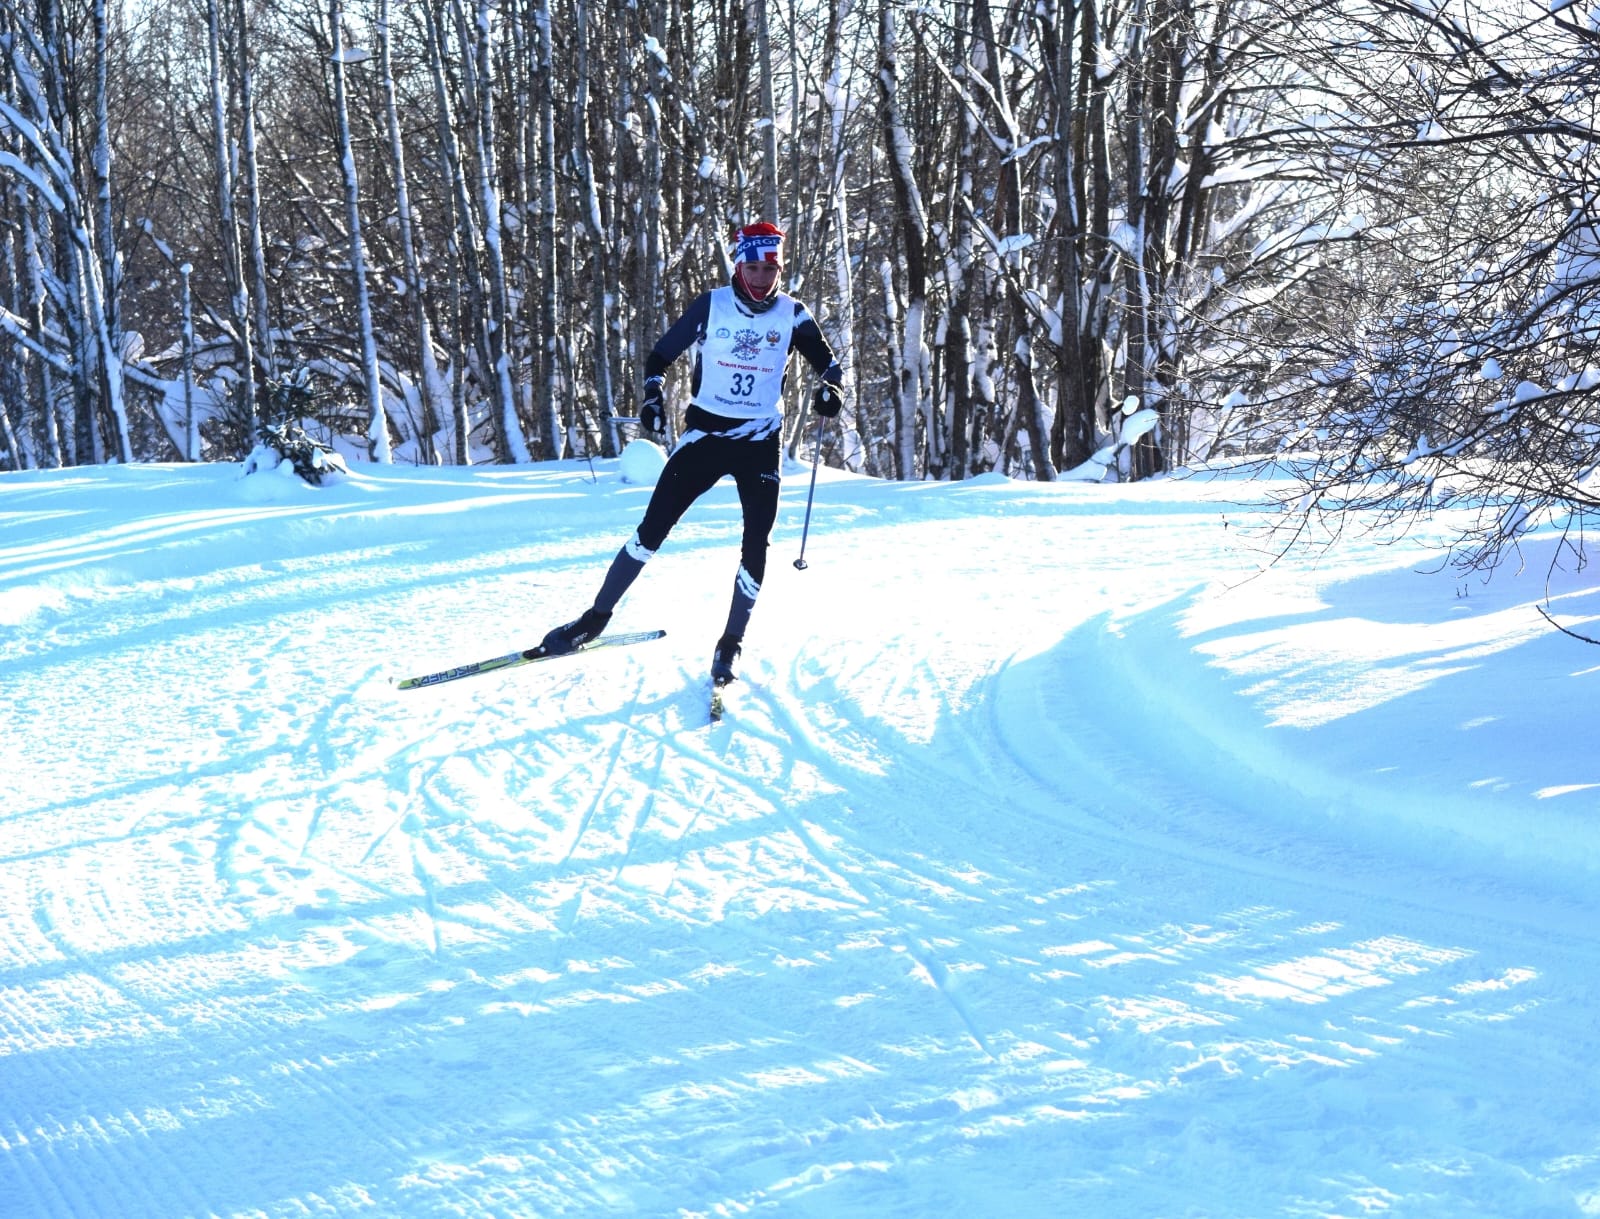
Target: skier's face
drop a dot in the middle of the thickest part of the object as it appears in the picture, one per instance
(759, 278)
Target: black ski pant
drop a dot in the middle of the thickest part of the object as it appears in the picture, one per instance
(697, 465)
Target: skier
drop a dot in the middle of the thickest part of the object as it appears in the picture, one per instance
(743, 334)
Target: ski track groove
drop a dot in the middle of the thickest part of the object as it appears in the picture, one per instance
(652, 787)
(1111, 779)
(137, 1159)
(851, 875)
(430, 901)
(842, 774)
(438, 913)
(1045, 804)
(602, 790)
(916, 945)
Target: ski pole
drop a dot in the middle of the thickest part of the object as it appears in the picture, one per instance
(816, 453)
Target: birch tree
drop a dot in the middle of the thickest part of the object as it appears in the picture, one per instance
(547, 317)
(47, 164)
(378, 444)
(598, 254)
(767, 121)
(908, 354)
(227, 226)
(486, 160)
(468, 306)
(434, 400)
(254, 256)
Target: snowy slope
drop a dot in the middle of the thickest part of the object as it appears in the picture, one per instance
(1046, 864)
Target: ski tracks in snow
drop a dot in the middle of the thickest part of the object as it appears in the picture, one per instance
(1225, 958)
(917, 923)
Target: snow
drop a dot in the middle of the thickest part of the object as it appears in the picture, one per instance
(642, 462)
(14, 163)
(1054, 859)
(1137, 425)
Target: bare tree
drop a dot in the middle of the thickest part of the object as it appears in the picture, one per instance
(1471, 379)
(599, 259)
(254, 246)
(543, 339)
(226, 220)
(434, 402)
(378, 446)
(906, 348)
(69, 175)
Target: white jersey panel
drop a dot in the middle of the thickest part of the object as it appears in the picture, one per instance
(743, 357)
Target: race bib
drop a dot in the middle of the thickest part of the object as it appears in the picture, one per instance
(743, 357)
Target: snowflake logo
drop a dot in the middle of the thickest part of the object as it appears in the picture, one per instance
(746, 343)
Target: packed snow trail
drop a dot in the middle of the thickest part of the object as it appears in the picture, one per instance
(1002, 889)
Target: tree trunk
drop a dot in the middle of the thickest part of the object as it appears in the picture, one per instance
(254, 249)
(499, 321)
(961, 267)
(598, 253)
(467, 294)
(48, 428)
(910, 382)
(107, 259)
(431, 388)
(768, 118)
(228, 228)
(544, 337)
(1008, 191)
(652, 306)
(378, 419)
(1072, 434)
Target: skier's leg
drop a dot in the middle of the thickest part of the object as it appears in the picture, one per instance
(624, 569)
(691, 471)
(688, 474)
(758, 478)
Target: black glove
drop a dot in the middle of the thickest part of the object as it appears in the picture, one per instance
(827, 401)
(653, 407)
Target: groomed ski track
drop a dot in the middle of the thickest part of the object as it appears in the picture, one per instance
(990, 894)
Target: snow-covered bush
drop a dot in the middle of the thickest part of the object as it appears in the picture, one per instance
(281, 439)
(288, 442)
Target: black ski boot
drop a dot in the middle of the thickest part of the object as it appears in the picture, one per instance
(722, 660)
(573, 635)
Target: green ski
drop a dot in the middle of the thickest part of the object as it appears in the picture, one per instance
(525, 657)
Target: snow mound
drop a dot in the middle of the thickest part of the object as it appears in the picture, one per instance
(642, 462)
(266, 477)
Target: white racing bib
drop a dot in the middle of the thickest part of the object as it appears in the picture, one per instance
(743, 357)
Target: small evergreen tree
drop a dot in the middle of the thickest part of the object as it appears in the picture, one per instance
(287, 401)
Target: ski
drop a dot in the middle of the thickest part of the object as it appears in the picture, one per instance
(524, 657)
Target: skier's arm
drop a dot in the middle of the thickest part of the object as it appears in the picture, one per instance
(680, 336)
(810, 342)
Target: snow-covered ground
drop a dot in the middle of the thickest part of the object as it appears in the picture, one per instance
(1045, 866)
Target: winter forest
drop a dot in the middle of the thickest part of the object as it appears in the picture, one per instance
(1045, 236)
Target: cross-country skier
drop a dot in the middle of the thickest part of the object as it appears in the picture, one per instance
(742, 334)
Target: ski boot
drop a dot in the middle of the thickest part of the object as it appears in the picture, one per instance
(573, 635)
(722, 660)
